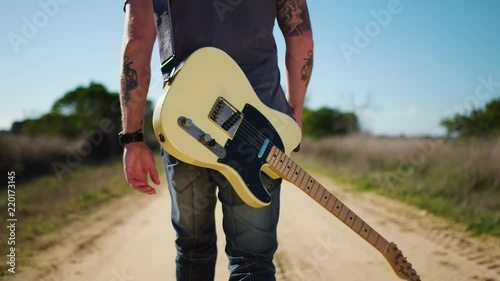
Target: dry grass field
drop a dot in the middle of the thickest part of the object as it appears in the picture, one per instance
(455, 179)
(32, 155)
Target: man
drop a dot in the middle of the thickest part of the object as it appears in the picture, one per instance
(244, 29)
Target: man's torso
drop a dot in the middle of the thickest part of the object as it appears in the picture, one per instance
(243, 29)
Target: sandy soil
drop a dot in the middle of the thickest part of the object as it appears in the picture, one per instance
(131, 239)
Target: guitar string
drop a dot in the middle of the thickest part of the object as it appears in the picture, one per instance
(248, 132)
(247, 129)
(244, 124)
(250, 128)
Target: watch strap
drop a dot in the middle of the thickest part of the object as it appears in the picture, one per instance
(128, 138)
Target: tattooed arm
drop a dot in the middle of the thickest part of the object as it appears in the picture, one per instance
(293, 19)
(138, 39)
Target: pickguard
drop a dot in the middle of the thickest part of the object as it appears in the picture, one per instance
(242, 152)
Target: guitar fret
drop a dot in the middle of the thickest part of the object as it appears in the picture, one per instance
(369, 232)
(329, 206)
(359, 232)
(291, 172)
(296, 173)
(337, 207)
(318, 198)
(314, 189)
(371, 238)
(340, 211)
(281, 162)
(343, 213)
(303, 181)
(284, 165)
(357, 225)
(347, 216)
(325, 197)
(309, 183)
(352, 218)
(365, 231)
(277, 157)
(301, 176)
(357, 222)
(288, 168)
(274, 156)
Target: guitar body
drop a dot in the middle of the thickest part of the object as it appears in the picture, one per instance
(209, 115)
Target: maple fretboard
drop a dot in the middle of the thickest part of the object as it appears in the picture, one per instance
(287, 169)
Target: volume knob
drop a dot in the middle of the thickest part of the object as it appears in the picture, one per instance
(186, 123)
(206, 138)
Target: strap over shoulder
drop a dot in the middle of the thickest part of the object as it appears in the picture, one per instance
(164, 33)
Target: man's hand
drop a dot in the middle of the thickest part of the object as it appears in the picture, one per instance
(138, 161)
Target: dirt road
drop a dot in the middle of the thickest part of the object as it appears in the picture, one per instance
(132, 240)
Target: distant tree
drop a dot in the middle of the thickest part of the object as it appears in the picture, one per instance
(76, 111)
(484, 122)
(17, 127)
(90, 112)
(328, 121)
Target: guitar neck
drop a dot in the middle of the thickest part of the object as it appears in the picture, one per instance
(287, 169)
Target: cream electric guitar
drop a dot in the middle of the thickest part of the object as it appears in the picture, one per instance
(209, 116)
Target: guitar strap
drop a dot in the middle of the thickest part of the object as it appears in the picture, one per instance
(164, 33)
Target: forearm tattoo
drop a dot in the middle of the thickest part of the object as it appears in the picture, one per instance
(293, 17)
(307, 68)
(129, 79)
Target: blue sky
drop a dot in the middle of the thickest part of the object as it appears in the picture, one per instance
(401, 65)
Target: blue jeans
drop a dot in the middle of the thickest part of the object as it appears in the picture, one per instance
(250, 232)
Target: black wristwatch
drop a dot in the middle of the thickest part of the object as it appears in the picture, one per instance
(128, 138)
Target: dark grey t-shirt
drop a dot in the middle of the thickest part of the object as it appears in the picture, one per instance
(243, 29)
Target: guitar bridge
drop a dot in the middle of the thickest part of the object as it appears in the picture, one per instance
(226, 116)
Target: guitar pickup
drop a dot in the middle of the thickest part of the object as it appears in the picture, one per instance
(226, 117)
